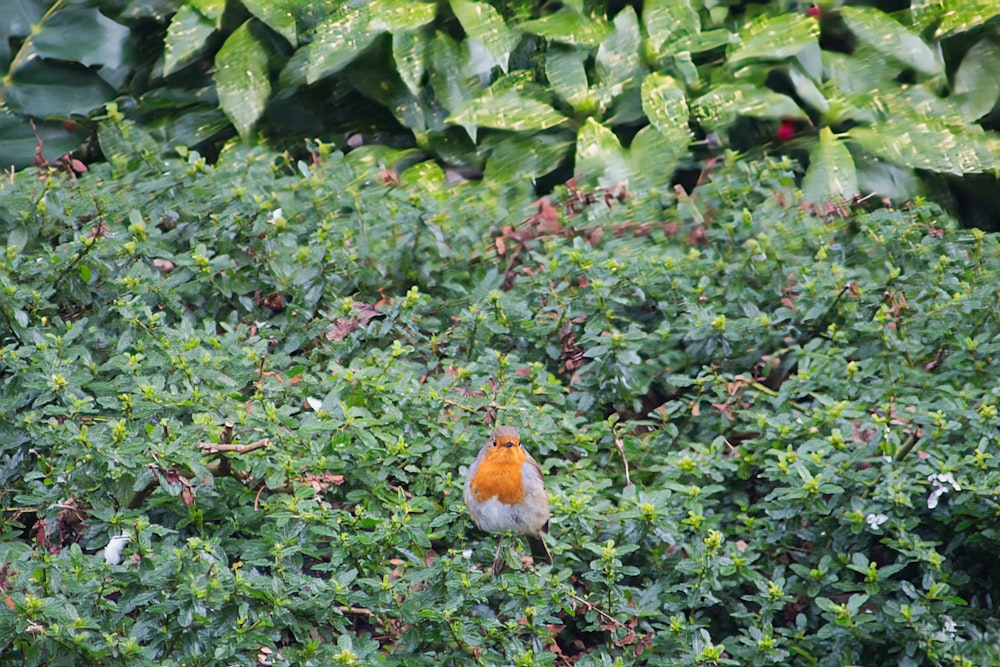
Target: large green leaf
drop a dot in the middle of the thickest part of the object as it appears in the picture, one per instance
(516, 156)
(187, 37)
(600, 158)
(336, 43)
(723, 105)
(831, 175)
(81, 35)
(666, 20)
(452, 86)
(45, 88)
(977, 80)
(772, 38)
(889, 37)
(617, 61)
(18, 141)
(277, 15)
(568, 27)
(483, 24)
(807, 90)
(567, 76)
(241, 78)
(665, 105)
(393, 15)
(509, 111)
(964, 15)
(410, 50)
(930, 146)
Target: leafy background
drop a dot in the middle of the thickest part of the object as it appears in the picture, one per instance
(888, 105)
(767, 411)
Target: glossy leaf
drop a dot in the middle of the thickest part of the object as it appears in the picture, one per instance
(977, 81)
(18, 141)
(514, 157)
(483, 24)
(617, 61)
(723, 105)
(653, 158)
(567, 76)
(568, 27)
(666, 20)
(932, 147)
(889, 37)
(278, 15)
(393, 15)
(510, 111)
(452, 86)
(410, 50)
(241, 77)
(665, 104)
(186, 39)
(600, 158)
(775, 38)
(965, 15)
(831, 175)
(336, 43)
(807, 91)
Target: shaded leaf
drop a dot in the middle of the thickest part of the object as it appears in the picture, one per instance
(977, 80)
(807, 90)
(665, 104)
(567, 76)
(409, 51)
(889, 37)
(336, 43)
(81, 35)
(831, 175)
(44, 89)
(241, 78)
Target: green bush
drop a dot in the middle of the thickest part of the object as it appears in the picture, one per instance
(769, 435)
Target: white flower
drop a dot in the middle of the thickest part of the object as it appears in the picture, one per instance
(114, 548)
(941, 482)
(876, 520)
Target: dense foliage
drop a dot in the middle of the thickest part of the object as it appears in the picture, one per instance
(770, 431)
(876, 103)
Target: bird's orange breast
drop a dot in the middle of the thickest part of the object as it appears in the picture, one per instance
(499, 476)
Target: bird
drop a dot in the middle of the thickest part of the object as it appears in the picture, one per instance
(505, 493)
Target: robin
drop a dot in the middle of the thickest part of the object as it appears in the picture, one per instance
(505, 493)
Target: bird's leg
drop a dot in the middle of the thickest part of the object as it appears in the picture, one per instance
(497, 565)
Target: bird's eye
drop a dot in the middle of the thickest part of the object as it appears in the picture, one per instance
(493, 442)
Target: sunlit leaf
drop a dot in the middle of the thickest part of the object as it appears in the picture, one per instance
(775, 38)
(665, 21)
(600, 157)
(187, 37)
(483, 24)
(336, 43)
(831, 175)
(510, 111)
(724, 104)
(278, 15)
(568, 27)
(567, 75)
(964, 15)
(889, 37)
(930, 146)
(617, 61)
(241, 78)
(393, 15)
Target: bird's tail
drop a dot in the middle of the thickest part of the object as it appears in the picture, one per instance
(539, 552)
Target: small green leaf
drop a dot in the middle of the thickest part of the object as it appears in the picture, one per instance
(85, 273)
(773, 38)
(831, 175)
(888, 36)
(241, 78)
